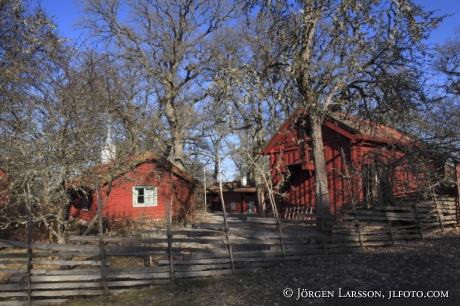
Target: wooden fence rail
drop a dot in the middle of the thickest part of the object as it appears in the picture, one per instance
(60, 272)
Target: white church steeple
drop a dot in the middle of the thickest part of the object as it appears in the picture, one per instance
(108, 151)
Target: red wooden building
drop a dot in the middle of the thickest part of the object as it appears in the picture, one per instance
(136, 186)
(238, 198)
(364, 160)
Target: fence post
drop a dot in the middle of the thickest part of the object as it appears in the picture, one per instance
(280, 231)
(105, 288)
(389, 226)
(322, 228)
(278, 223)
(229, 244)
(418, 221)
(29, 249)
(457, 209)
(230, 249)
(361, 240)
(457, 198)
(169, 235)
(437, 209)
(349, 180)
(322, 232)
(321, 218)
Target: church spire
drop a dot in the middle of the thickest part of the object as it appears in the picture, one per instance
(108, 151)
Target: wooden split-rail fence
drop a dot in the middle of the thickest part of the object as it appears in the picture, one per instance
(43, 273)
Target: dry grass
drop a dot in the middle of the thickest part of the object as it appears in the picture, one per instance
(426, 264)
(3, 276)
(183, 293)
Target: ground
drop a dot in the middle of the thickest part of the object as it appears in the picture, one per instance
(426, 267)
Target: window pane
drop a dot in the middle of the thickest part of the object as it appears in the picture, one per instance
(149, 196)
(140, 196)
(145, 196)
(84, 202)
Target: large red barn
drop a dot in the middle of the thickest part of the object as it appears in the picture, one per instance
(364, 160)
(134, 187)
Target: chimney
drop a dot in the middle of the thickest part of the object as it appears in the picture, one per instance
(244, 181)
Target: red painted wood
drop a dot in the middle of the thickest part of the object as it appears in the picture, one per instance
(345, 154)
(119, 203)
(241, 200)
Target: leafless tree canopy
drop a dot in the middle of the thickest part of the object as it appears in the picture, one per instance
(359, 56)
(170, 43)
(447, 62)
(215, 78)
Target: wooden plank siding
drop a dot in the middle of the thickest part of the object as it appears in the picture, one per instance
(145, 169)
(237, 198)
(365, 161)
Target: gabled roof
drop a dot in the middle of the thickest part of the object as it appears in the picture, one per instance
(118, 167)
(366, 129)
(350, 126)
(232, 187)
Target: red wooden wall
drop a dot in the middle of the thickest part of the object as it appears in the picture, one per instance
(293, 172)
(241, 200)
(120, 200)
(298, 187)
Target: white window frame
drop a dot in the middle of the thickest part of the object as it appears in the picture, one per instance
(148, 202)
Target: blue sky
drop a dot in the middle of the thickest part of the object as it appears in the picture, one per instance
(447, 27)
(66, 15)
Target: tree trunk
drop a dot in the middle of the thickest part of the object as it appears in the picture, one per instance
(179, 151)
(321, 187)
(260, 193)
(176, 131)
(216, 158)
(62, 218)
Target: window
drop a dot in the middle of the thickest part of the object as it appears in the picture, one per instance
(251, 207)
(84, 202)
(144, 196)
(370, 180)
(232, 206)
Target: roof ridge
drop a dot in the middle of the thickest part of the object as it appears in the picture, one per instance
(123, 165)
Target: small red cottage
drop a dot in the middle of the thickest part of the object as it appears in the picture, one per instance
(364, 160)
(136, 186)
(238, 198)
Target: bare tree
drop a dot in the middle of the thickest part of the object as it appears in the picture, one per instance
(442, 121)
(30, 51)
(447, 61)
(359, 55)
(257, 97)
(52, 116)
(169, 42)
